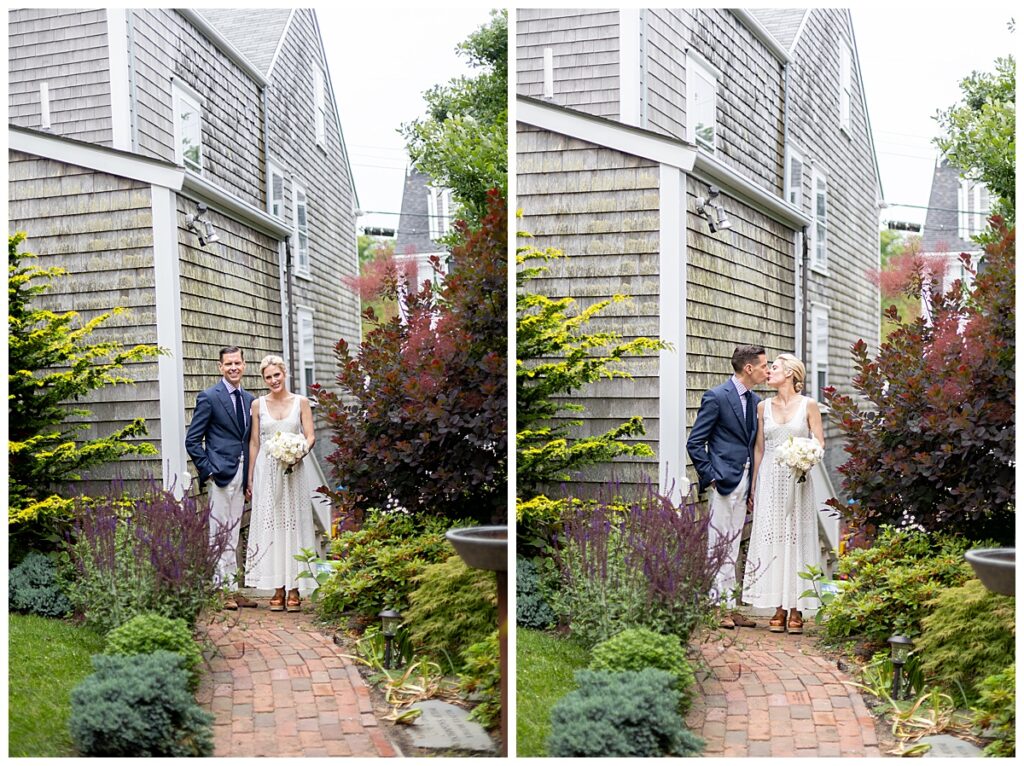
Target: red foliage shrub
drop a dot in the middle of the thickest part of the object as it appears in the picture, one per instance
(423, 419)
(934, 445)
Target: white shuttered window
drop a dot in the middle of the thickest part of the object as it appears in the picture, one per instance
(819, 224)
(819, 352)
(275, 190)
(307, 364)
(701, 103)
(300, 230)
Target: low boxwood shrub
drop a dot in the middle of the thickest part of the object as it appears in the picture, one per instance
(532, 609)
(377, 564)
(146, 633)
(482, 677)
(996, 712)
(453, 607)
(889, 585)
(631, 713)
(639, 648)
(33, 587)
(139, 705)
(968, 636)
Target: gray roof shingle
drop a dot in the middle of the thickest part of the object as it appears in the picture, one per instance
(256, 32)
(783, 23)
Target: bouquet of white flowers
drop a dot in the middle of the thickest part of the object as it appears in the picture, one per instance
(800, 454)
(287, 448)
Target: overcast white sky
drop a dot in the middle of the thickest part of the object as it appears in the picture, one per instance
(381, 60)
(912, 60)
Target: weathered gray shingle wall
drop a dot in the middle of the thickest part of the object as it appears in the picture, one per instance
(324, 174)
(853, 245)
(740, 290)
(67, 49)
(97, 227)
(600, 208)
(586, 57)
(749, 114)
(165, 45)
(230, 296)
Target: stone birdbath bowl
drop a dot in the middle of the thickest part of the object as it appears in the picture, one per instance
(995, 567)
(487, 548)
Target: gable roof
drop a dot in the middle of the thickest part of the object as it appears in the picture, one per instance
(941, 233)
(782, 23)
(414, 223)
(255, 32)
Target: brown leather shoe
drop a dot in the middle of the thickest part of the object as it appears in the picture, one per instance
(243, 601)
(230, 603)
(727, 623)
(742, 621)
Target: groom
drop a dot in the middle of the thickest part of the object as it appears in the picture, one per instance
(218, 443)
(721, 446)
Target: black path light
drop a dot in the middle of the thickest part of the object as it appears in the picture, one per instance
(389, 622)
(900, 652)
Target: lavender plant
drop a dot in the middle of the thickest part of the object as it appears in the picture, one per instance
(153, 553)
(643, 563)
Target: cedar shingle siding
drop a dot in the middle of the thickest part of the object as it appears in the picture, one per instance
(97, 227)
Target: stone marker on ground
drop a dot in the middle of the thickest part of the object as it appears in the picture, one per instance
(947, 746)
(447, 727)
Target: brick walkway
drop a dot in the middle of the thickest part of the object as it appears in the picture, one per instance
(772, 694)
(277, 687)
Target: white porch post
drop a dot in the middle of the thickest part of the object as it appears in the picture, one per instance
(672, 328)
(171, 374)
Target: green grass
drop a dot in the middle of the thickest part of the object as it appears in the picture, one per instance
(544, 674)
(47, 658)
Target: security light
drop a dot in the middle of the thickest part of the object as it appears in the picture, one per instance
(200, 225)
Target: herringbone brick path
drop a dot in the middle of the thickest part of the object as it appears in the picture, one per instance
(773, 694)
(277, 687)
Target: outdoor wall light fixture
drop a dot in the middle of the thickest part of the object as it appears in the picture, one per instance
(200, 225)
(389, 622)
(900, 652)
(711, 209)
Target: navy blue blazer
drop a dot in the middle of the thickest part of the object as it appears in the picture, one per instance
(214, 441)
(720, 443)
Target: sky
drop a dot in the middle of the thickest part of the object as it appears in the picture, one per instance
(912, 60)
(381, 60)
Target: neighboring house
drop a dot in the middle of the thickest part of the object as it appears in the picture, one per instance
(124, 122)
(425, 218)
(626, 118)
(958, 209)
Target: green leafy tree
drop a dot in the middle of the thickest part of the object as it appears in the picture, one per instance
(980, 133)
(52, 363)
(462, 141)
(555, 356)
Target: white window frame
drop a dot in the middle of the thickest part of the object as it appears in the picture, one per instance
(182, 95)
(300, 231)
(962, 204)
(698, 67)
(319, 105)
(819, 222)
(845, 86)
(794, 191)
(307, 348)
(819, 351)
(273, 169)
(438, 211)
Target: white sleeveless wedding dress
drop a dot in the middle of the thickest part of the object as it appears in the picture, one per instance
(282, 516)
(784, 535)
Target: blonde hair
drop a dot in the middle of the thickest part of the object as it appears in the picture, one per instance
(271, 360)
(795, 366)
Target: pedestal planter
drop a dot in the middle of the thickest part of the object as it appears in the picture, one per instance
(487, 548)
(995, 567)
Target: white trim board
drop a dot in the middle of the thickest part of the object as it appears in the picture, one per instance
(629, 66)
(93, 157)
(170, 368)
(672, 329)
(120, 88)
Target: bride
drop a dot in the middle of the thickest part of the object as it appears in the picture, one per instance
(282, 522)
(784, 535)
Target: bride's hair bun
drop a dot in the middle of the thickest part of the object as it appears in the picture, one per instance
(795, 366)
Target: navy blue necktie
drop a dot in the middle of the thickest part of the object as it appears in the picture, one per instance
(750, 412)
(239, 416)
